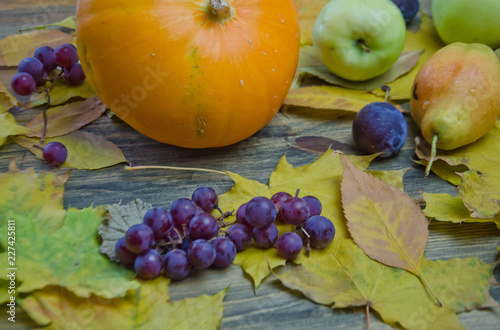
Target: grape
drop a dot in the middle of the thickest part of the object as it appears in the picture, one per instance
(260, 212)
(42, 81)
(320, 230)
(23, 84)
(45, 55)
(66, 55)
(240, 216)
(225, 252)
(203, 226)
(186, 242)
(206, 198)
(123, 254)
(148, 265)
(295, 211)
(315, 207)
(379, 127)
(279, 198)
(289, 245)
(201, 254)
(265, 237)
(182, 211)
(199, 210)
(74, 74)
(139, 238)
(31, 66)
(55, 153)
(160, 221)
(176, 265)
(240, 235)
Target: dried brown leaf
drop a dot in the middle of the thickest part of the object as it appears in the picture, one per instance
(67, 118)
(384, 221)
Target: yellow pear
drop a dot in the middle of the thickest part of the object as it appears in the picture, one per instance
(456, 96)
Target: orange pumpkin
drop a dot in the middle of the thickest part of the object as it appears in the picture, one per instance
(192, 73)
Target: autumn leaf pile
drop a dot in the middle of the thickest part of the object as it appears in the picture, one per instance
(376, 260)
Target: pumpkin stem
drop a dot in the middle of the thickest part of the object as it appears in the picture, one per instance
(221, 9)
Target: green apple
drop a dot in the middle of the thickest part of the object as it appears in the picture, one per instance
(359, 39)
(468, 21)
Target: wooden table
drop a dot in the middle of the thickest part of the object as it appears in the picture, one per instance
(274, 306)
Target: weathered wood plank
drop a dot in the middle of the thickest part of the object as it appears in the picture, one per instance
(273, 306)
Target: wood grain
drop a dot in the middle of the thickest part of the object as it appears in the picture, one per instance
(274, 306)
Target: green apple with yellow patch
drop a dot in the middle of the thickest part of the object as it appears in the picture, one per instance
(359, 39)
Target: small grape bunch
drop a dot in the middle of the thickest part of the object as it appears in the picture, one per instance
(255, 222)
(34, 71)
(175, 240)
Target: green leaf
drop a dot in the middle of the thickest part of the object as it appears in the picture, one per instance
(342, 276)
(443, 207)
(403, 65)
(9, 127)
(67, 118)
(4, 291)
(16, 47)
(28, 193)
(68, 257)
(86, 150)
(146, 308)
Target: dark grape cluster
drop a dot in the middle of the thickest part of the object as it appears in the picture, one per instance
(188, 236)
(36, 71)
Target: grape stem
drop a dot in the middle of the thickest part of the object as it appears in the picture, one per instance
(45, 108)
(308, 240)
(223, 216)
(386, 89)
(135, 168)
(297, 193)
